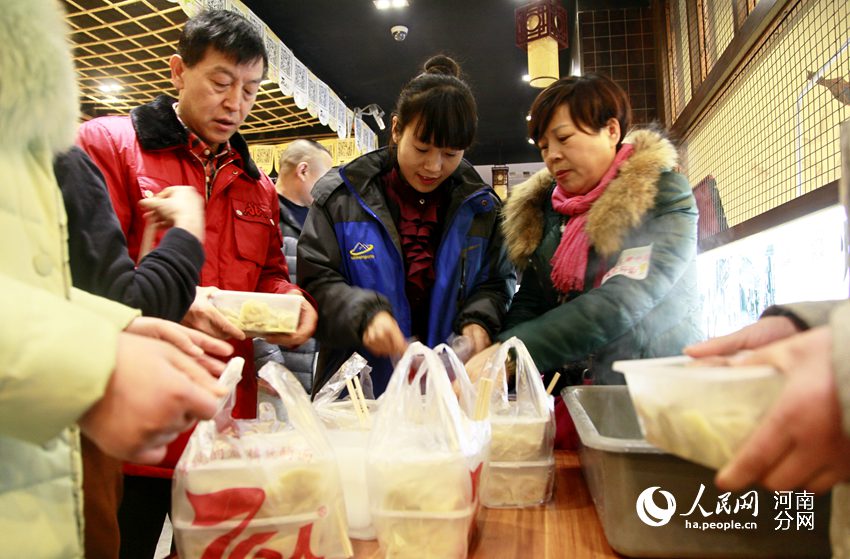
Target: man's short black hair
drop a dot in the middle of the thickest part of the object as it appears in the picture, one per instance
(227, 32)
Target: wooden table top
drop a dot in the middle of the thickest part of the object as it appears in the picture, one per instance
(566, 527)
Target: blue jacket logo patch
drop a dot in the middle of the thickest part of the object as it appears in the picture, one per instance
(362, 251)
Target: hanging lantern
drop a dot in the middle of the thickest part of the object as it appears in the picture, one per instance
(541, 29)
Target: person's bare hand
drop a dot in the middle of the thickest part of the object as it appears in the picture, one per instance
(191, 342)
(383, 337)
(176, 206)
(306, 327)
(475, 366)
(151, 397)
(478, 335)
(766, 330)
(203, 316)
(799, 443)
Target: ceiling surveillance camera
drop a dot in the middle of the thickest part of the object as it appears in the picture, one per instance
(399, 32)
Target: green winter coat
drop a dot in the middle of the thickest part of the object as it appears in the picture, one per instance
(646, 207)
(57, 344)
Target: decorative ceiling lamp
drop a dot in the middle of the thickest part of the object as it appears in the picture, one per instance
(541, 29)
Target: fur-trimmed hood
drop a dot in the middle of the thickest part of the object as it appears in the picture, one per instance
(39, 101)
(620, 208)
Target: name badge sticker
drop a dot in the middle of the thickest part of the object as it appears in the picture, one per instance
(632, 263)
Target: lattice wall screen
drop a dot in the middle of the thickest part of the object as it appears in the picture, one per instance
(129, 42)
(773, 134)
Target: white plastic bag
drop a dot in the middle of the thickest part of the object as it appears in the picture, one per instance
(265, 487)
(456, 371)
(340, 414)
(424, 463)
(348, 433)
(522, 463)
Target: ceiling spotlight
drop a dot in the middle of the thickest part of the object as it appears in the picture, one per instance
(528, 118)
(526, 78)
(374, 110)
(110, 87)
(387, 4)
(530, 141)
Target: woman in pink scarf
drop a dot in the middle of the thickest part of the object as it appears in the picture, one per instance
(606, 237)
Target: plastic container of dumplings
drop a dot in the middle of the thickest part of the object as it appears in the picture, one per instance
(701, 413)
(424, 534)
(423, 508)
(522, 464)
(519, 484)
(258, 314)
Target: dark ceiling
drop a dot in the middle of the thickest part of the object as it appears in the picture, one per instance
(348, 45)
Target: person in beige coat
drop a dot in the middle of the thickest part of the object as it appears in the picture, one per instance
(804, 440)
(69, 361)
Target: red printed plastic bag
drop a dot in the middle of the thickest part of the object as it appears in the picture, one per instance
(522, 462)
(260, 488)
(424, 463)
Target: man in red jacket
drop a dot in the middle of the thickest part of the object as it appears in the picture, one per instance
(193, 140)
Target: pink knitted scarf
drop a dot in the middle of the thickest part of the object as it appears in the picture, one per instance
(569, 263)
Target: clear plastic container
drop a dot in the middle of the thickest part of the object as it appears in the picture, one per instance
(517, 439)
(518, 484)
(521, 472)
(702, 413)
(423, 534)
(257, 314)
(422, 508)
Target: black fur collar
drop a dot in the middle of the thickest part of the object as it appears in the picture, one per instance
(157, 127)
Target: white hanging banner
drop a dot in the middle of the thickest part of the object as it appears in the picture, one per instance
(212, 5)
(324, 101)
(272, 43)
(285, 80)
(300, 88)
(312, 95)
(343, 124)
(333, 103)
(255, 21)
(360, 134)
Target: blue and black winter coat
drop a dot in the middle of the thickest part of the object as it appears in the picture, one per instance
(350, 260)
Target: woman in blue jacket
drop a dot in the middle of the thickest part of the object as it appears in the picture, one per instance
(404, 241)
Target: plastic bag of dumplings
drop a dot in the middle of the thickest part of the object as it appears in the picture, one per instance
(259, 488)
(424, 462)
(522, 462)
